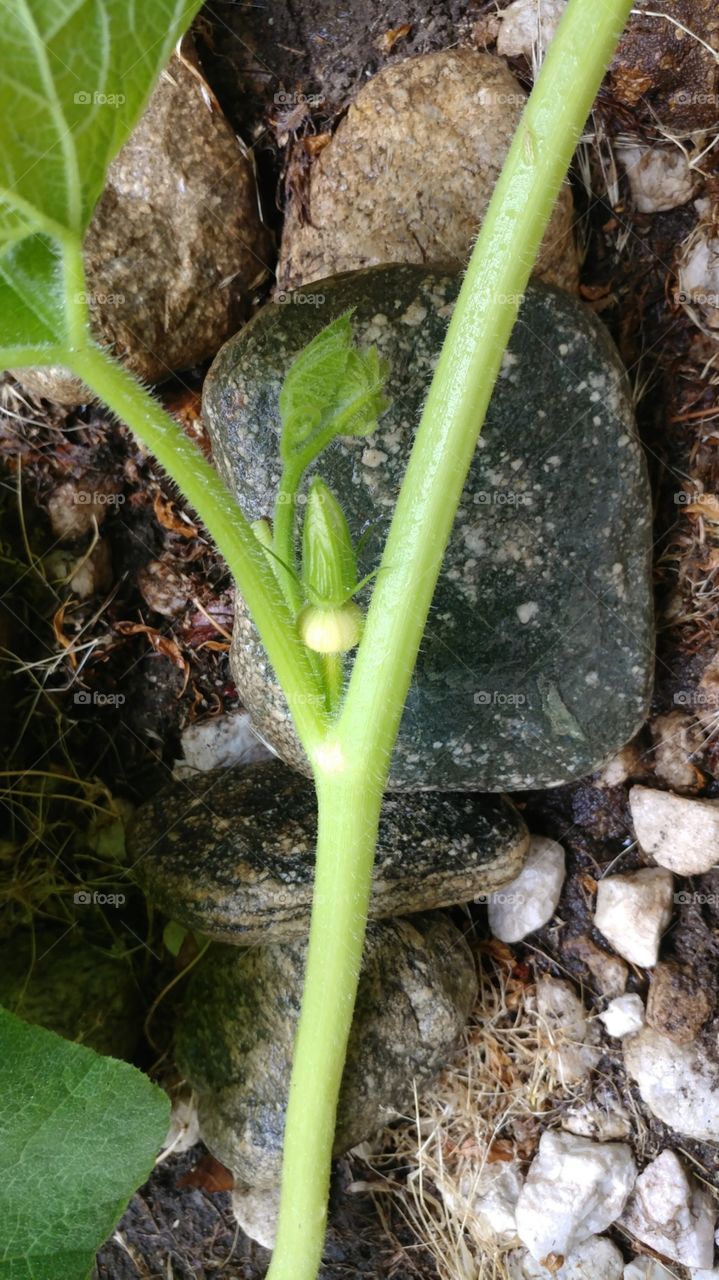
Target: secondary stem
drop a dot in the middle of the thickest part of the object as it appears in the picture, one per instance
(483, 318)
(284, 534)
(245, 558)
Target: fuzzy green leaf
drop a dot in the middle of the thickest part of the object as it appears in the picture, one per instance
(329, 565)
(78, 1133)
(330, 389)
(75, 77)
(31, 295)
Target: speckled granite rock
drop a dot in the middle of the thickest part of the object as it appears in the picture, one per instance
(175, 243)
(537, 662)
(441, 126)
(237, 1027)
(230, 854)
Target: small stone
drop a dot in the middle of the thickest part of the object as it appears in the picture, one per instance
(164, 588)
(494, 704)
(633, 911)
(679, 1083)
(627, 763)
(659, 177)
(490, 1198)
(77, 507)
(677, 737)
(527, 903)
(564, 1019)
(175, 243)
(528, 27)
(230, 853)
(680, 832)
(236, 1032)
(603, 1117)
(256, 1211)
(609, 972)
(677, 1006)
(221, 742)
(574, 1189)
(671, 1213)
(623, 1016)
(441, 125)
(81, 575)
(184, 1130)
(647, 1269)
(594, 1259)
(698, 273)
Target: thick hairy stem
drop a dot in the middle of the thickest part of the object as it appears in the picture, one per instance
(348, 813)
(360, 746)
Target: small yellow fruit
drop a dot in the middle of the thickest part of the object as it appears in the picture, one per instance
(327, 630)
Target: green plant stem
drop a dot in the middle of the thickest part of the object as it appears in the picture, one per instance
(334, 673)
(226, 524)
(284, 534)
(351, 764)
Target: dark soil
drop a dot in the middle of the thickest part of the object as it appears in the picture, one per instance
(192, 1231)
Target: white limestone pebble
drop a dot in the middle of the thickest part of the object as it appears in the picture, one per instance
(680, 832)
(489, 1197)
(632, 912)
(623, 1016)
(256, 1210)
(563, 1019)
(672, 1213)
(574, 1189)
(527, 27)
(647, 1269)
(596, 1259)
(527, 903)
(223, 741)
(659, 177)
(679, 1083)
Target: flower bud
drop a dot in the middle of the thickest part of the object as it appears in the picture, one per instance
(328, 630)
(329, 567)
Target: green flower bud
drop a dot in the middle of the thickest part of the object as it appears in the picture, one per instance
(263, 532)
(329, 566)
(331, 630)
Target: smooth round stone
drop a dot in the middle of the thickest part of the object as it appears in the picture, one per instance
(236, 1032)
(231, 853)
(537, 662)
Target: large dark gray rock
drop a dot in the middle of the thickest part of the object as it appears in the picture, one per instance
(537, 661)
(231, 853)
(237, 1027)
